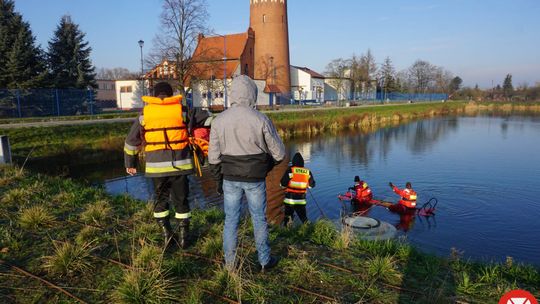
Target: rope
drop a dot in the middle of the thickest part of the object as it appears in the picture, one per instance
(317, 204)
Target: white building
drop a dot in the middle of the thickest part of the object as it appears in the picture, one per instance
(129, 94)
(337, 89)
(307, 84)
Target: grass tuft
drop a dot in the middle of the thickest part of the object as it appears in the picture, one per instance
(89, 234)
(466, 284)
(149, 286)
(97, 212)
(68, 259)
(324, 233)
(383, 268)
(344, 238)
(211, 246)
(300, 269)
(148, 257)
(35, 217)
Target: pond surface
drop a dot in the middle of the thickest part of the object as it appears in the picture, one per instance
(484, 171)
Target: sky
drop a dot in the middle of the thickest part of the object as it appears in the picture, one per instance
(479, 41)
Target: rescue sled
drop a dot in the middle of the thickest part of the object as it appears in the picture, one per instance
(427, 209)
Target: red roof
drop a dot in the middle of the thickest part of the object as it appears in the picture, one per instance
(310, 72)
(272, 88)
(209, 54)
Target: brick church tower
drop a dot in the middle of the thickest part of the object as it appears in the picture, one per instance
(268, 19)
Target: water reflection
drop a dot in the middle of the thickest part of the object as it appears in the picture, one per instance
(483, 170)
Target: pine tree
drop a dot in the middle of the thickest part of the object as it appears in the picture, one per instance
(455, 84)
(21, 61)
(388, 73)
(69, 57)
(508, 88)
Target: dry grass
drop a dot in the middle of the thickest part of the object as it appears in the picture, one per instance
(36, 217)
(69, 259)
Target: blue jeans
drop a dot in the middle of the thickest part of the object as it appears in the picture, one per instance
(256, 197)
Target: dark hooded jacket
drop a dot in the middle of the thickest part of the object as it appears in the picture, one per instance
(297, 161)
(244, 144)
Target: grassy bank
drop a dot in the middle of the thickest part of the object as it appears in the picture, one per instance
(118, 114)
(295, 123)
(101, 249)
(88, 143)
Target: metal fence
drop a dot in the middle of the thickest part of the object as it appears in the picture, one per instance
(45, 102)
(397, 97)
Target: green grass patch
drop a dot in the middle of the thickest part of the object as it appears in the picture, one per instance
(116, 257)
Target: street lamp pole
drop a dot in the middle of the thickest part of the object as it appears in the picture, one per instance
(141, 44)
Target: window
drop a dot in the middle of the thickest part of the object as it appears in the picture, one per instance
(204, 95)
(264, 18)
(126, 89)
(220, 94)
(246, 69)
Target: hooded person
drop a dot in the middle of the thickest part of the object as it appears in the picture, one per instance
(244, 147)
(296, 180)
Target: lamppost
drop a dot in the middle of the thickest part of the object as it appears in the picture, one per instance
(141, 44)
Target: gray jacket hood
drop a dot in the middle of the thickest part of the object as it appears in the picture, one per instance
(243, 91)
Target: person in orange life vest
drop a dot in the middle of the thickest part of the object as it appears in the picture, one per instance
(200, 124)
(362, 191)
(296, 180)
(406, 219)
(408, 195)
(161, 131)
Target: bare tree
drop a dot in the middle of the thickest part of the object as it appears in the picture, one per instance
(421, 76)
(181, 23)
(115, 74)
(337, 72)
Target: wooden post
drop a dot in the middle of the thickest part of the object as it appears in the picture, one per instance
(5, 150)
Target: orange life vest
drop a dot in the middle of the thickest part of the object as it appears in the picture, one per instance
(163, 124)
(363, 192)
(408, 198)
(299, 181)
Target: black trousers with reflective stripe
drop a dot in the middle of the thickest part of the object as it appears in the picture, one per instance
(173, 189)
(289, 212)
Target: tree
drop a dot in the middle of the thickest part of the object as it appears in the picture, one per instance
(337, 71)
(442, 80)
(368, 65)
(421, 76)
(21, 61)
(69, 57)
(455, 84)
(181, 23)
(116, 74)
(508, 88)
(388, 75)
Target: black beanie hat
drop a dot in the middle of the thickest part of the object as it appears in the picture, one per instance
(163, 89)
(357, 178)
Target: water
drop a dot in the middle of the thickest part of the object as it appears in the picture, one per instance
(485, 172)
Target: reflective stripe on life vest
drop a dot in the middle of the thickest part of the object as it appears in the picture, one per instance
(168, 166)
(290, 201)
(299, 180)
(163, 124)
(131, 150)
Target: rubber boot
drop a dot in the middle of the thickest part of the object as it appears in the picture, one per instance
(183, 239)
(168, 234)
